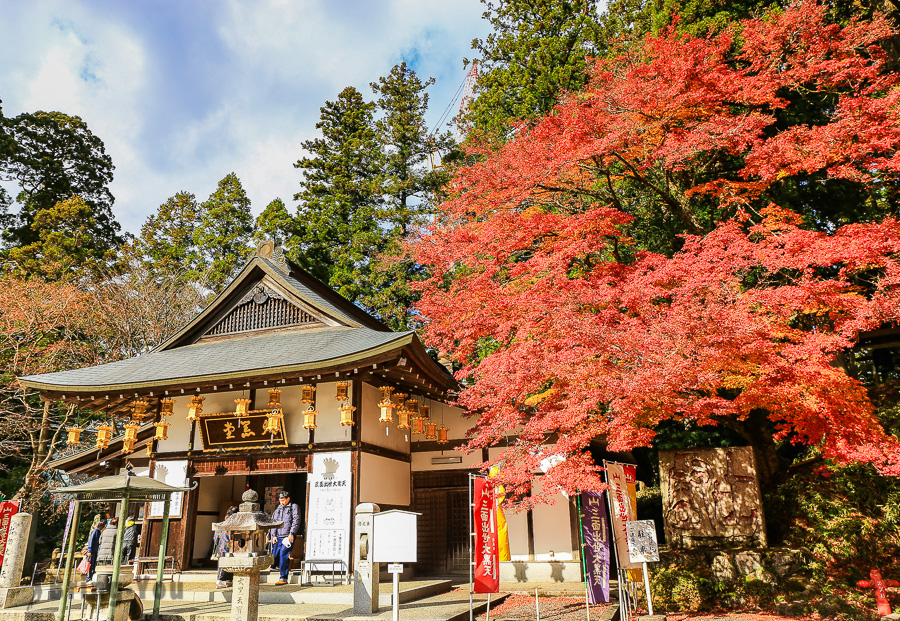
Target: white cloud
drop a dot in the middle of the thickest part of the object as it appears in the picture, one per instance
(184, 93)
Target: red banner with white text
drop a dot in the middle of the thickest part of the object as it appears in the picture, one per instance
(8, 508)
(487, 555)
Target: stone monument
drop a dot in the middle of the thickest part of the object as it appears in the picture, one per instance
(11, 594)
(246, 555)
(711, 497)
(365, 577)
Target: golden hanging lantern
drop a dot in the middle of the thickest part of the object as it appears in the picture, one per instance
(412, 406)
(138, 410)
(162, 430)
(273, 421)
(74, 435)
(195, 407)
(128, 444)
(104, 434)
(402, 418)
(442, 434)
(417, 425)
(342, 388)
(241, 407)
(131, 430)
(347, 414)
(309, 419)
(425, 410)
(149, 449)
(387, 409)
(430, 427)
(400, 399)
(167, 403)
(275, 398)
(386, 392)
(309, 394)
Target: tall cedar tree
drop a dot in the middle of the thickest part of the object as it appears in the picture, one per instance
(535, 54)
(54, 157)
(224, 230)
(166, 242)
(563, 326)
(275, 223)
(340, 197)
(408, 184)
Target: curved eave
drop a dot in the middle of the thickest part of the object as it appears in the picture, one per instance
(357, 357)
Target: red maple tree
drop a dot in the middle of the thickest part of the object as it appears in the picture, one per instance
(567, 329)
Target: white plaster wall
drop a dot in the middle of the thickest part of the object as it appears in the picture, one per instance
(216, 494)
(383, 480)
(374, 432)
(293, 413)
(552, 529)
(179, 431)
(328, 422)
(517, 527)
(422, 460)
(452, 417)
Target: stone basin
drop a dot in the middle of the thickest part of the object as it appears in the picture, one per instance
(103, 576)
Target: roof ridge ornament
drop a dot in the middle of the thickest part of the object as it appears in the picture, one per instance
(269, 250)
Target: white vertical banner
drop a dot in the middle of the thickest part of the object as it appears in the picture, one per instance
(622, 511)
(328, 522)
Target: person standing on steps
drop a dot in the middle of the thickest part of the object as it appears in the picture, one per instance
(282, 538)
(92, 548)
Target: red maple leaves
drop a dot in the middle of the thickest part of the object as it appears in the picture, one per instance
(565, 329)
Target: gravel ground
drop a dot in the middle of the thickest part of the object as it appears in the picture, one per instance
(521, 608)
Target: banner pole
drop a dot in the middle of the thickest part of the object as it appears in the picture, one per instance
(647, 588)
(471, 552)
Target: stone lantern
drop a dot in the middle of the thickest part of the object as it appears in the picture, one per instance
(246, 555)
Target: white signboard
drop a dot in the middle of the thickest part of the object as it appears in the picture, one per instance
(642, 546)
(172, 473)
(394, 535)
(328, 526)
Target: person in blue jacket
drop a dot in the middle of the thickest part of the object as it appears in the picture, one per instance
(283, 537)
(92, 549)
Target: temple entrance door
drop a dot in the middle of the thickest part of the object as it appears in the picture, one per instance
(268, 485)
(443, 545)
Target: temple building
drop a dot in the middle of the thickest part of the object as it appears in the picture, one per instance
(280, 383)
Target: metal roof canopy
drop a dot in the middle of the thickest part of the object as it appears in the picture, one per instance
(124, 489)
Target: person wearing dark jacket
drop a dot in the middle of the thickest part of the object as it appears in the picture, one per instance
(92, 548)
(283, 537)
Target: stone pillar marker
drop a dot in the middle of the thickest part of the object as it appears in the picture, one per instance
(11, 594)
(365, 572)
(246, 555)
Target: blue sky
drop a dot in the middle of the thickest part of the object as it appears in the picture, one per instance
(184, 92)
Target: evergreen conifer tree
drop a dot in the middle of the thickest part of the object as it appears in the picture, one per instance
(224, 230)
(166, 242)
(340, 196)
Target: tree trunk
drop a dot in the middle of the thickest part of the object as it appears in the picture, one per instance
(757, 431)
(39, 457)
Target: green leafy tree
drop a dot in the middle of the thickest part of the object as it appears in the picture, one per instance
(67, 242)
(167, 237)
(536, 53)
(53, 157)
(224, 231)
(340, 196)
